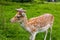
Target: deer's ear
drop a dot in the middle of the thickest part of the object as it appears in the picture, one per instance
(19, 9)
(24, 11)
(23, 14)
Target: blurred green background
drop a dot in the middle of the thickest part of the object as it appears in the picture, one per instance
(34, 8)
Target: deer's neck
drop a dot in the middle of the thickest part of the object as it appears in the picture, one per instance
(24, 22)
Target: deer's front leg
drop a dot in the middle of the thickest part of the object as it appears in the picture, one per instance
(32, 37)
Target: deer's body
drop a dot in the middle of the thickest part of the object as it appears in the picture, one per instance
(34, 25)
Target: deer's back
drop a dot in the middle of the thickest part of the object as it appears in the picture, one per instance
(42, 20)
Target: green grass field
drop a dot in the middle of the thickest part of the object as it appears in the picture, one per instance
(13, 31)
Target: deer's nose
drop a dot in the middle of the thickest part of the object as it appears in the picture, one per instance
(12, 20)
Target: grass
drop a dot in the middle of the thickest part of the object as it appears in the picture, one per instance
(10, 31)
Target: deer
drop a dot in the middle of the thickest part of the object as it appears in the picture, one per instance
(34, 25)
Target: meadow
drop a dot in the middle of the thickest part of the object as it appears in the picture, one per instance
(13, 31)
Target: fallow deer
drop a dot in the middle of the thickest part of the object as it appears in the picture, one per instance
(34, 25)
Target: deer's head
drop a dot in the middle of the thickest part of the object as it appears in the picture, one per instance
(19, 16)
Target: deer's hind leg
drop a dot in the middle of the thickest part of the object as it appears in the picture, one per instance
(46, 35)
(50, 32)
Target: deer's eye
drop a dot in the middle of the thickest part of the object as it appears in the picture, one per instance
(18, 16)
